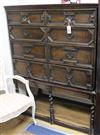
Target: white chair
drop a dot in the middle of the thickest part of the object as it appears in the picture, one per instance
(13, 104)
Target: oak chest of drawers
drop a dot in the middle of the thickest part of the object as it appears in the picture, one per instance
(55, 47)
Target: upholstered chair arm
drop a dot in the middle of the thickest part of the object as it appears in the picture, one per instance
(25, 82)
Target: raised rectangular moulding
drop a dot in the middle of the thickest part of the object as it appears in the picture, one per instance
(25, 18)
(82, 56)
(29, 51)
(26, 33)
(71, 76)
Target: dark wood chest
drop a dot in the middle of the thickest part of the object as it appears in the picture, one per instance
(55, 47)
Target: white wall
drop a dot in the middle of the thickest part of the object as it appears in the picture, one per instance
(5, 55)
(89, 1)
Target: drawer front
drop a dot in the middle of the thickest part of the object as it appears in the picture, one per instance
(71, 95)
(38, 71)
(52, 17)
(34, 51)
(25, 33)
(21, 67)
(74, 17)
(79, 56)
(79, 36)
(33, 70)
(66, 93)
(68, 76)
(32, 18)
(72, 77)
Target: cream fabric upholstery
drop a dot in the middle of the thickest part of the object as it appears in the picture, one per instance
(13, 104)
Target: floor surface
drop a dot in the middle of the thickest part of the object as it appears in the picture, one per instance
(16, 126)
